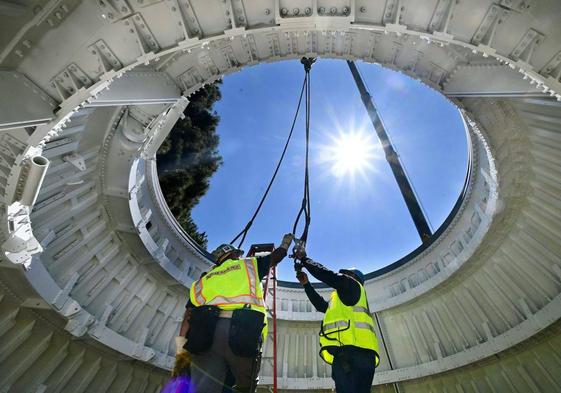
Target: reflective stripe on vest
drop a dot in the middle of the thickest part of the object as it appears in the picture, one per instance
(346, 325)
(339, 325)
(365, 325)
(342, 325)
(243, 299)
(251, 276)
(199, 292)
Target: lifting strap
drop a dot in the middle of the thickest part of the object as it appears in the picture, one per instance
(305, 208)
(246, 229)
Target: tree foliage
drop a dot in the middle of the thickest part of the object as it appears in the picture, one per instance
(189, 157)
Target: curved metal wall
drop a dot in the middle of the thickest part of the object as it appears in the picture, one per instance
(107, 268)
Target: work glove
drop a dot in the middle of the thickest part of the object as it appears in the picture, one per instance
(179, 344)
(182, 364)
(182, 357)
(299, 252)
(302, 277)
(286, 241)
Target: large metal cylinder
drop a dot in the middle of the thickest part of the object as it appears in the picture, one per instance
(37, 169)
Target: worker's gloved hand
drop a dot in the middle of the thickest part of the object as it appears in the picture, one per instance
(287, 241)
(302, 277)
(179, 344)
(182, 364)
(299, 252)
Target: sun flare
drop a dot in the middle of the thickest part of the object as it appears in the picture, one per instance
(351, 153)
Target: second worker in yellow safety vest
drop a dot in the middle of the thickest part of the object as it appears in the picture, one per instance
(347, 336)
(227, 320)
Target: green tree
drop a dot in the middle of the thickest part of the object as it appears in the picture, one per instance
(189, 157)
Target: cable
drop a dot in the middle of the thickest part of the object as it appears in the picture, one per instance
(306, 206)
(247, 227)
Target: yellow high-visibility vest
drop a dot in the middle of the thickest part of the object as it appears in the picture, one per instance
(232, 285)
(347, 325)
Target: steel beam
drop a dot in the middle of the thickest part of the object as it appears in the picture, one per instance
(23, 104)
(140, 88)
(396, 166)
(489, 81)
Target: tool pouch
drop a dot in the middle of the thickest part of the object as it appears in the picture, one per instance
(245, 332)
(202, 325)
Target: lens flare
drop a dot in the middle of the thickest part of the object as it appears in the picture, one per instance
(351, 153)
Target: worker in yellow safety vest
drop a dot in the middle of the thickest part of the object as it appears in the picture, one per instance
(225, 322)
(347, 336)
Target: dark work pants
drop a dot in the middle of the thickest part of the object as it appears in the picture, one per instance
(209, 369)
(353, 370)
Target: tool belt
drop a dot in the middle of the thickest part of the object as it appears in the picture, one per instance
(202, 326)
(246, 328)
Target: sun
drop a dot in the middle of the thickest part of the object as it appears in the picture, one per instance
(351, 153)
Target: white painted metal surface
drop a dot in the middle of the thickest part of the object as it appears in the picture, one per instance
(477, 311)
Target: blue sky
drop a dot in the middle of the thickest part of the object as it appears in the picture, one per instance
(358, 220)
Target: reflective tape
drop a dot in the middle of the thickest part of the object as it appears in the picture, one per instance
(336, 325)
(252, 276)
(361, 309)
(243, 299)
(345, 324)
(199, 292)
(364, 325)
